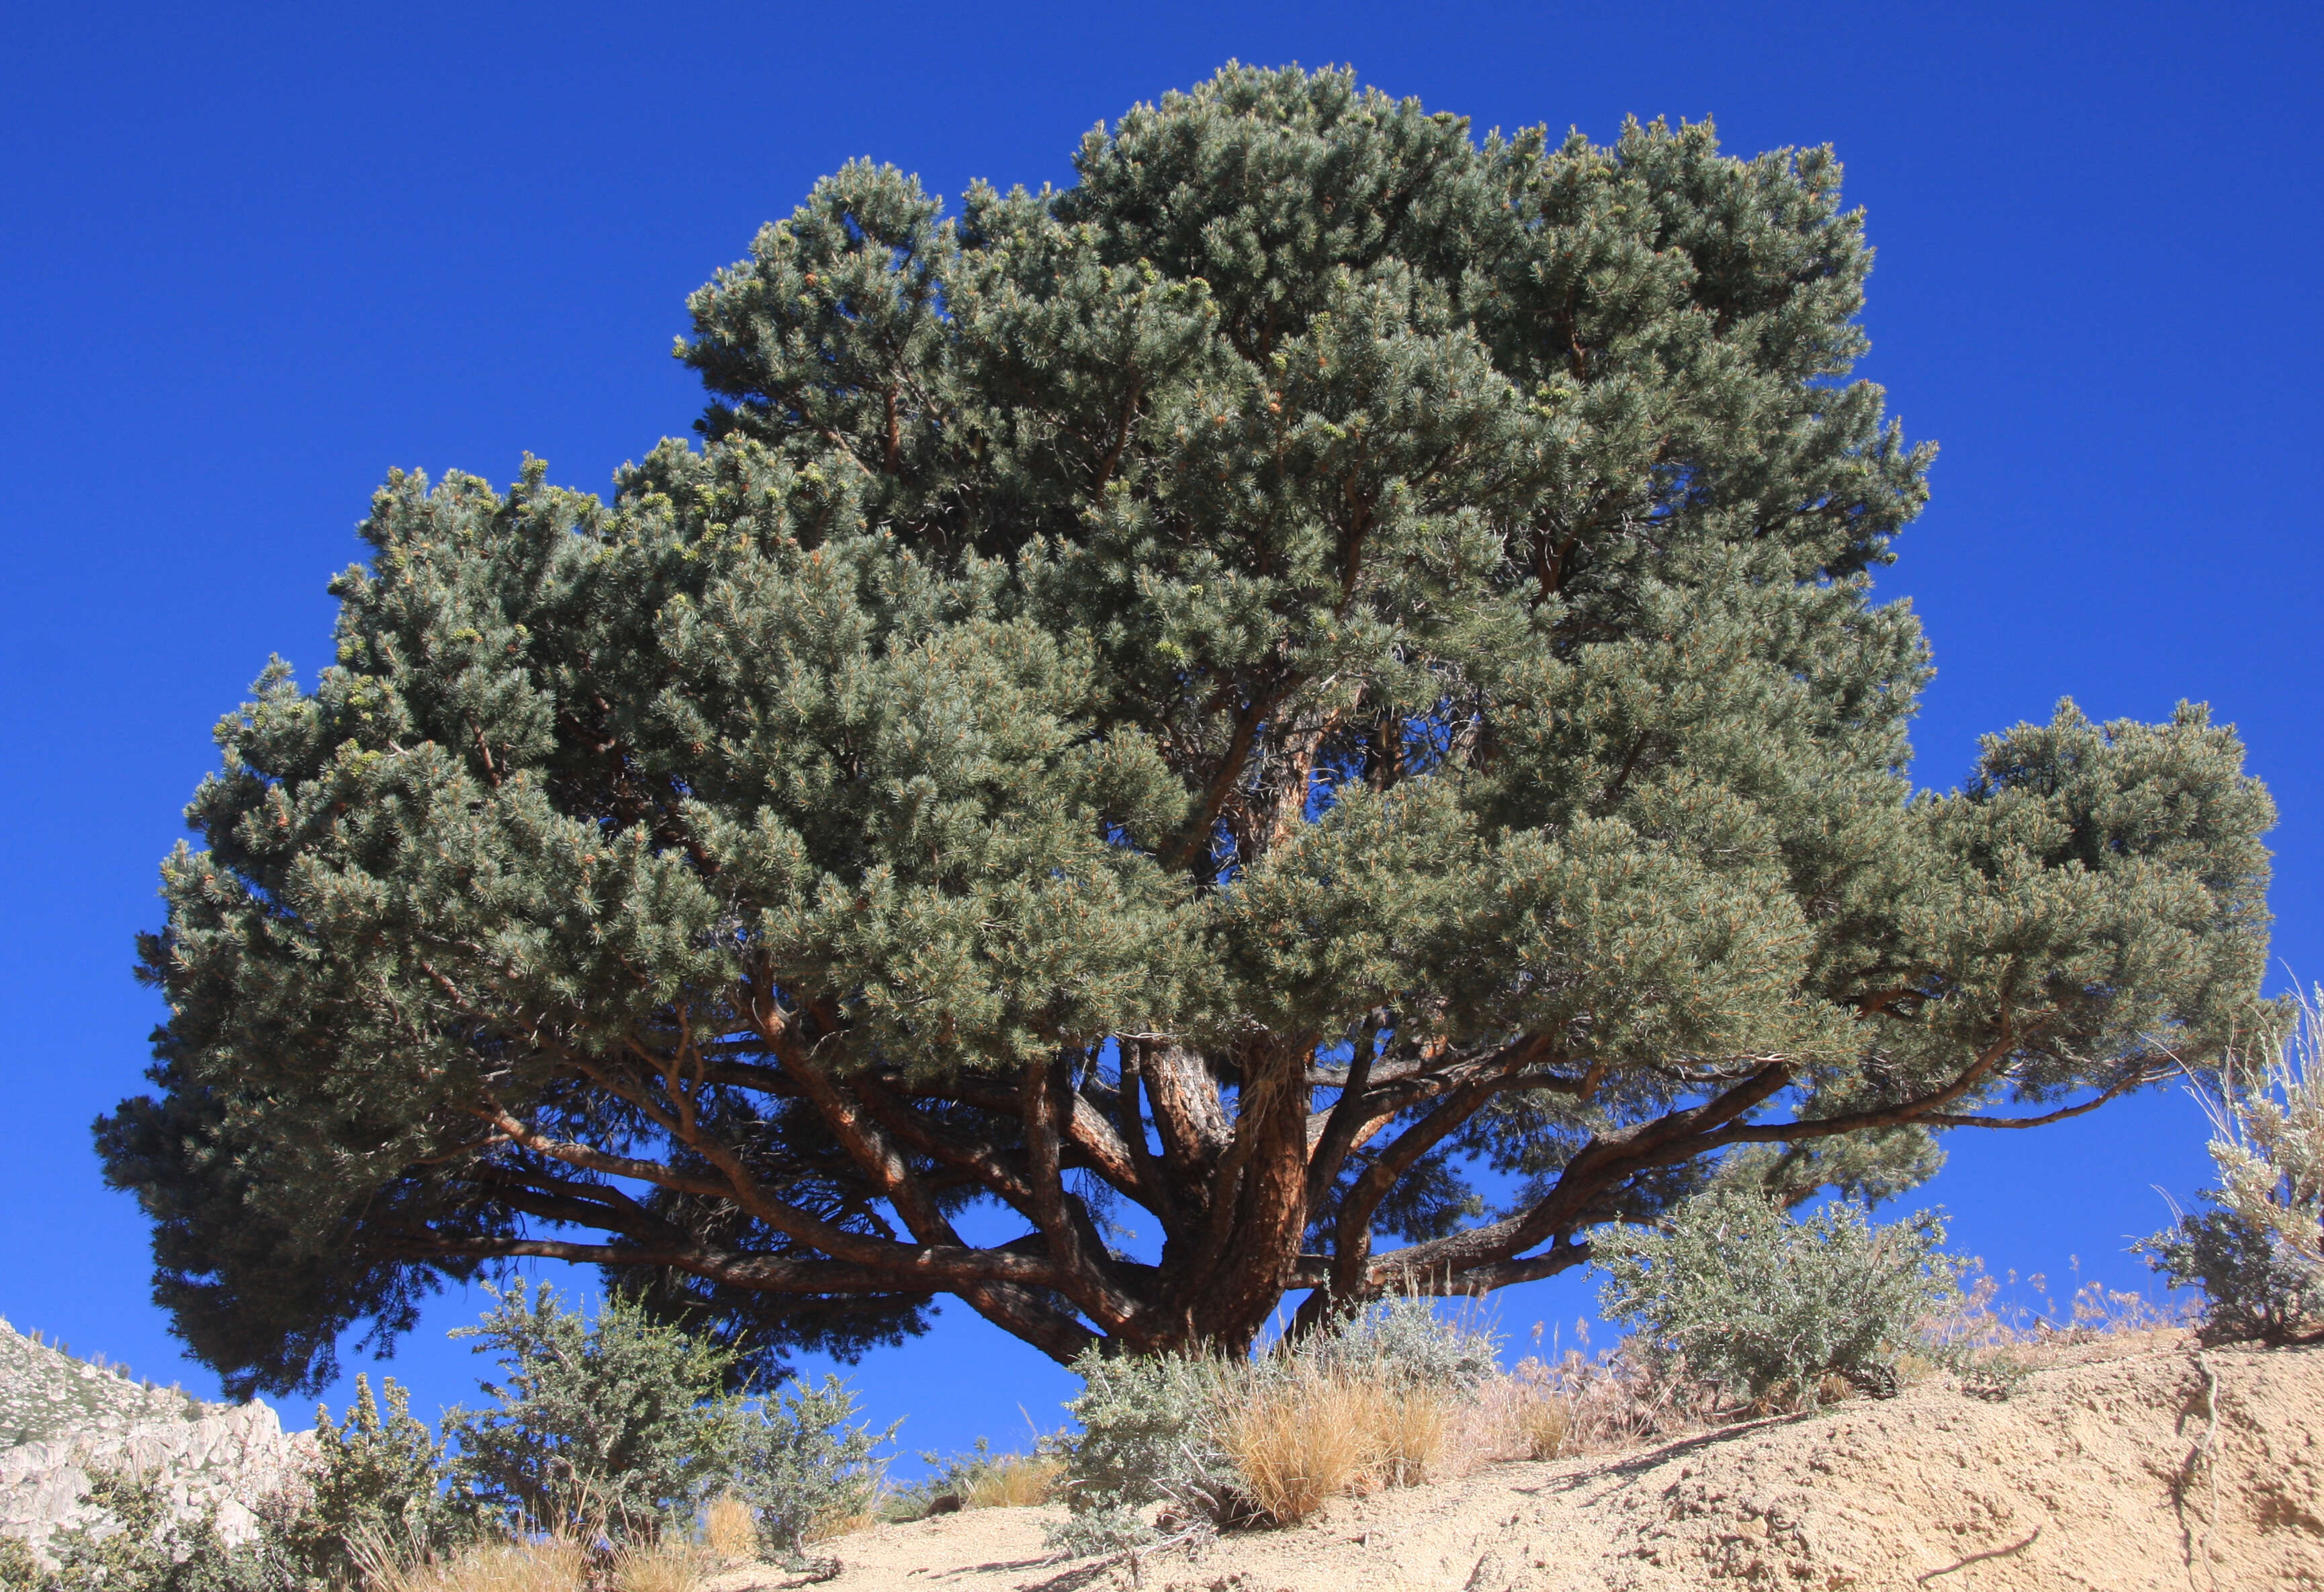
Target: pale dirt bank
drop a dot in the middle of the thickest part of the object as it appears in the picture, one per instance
(2087, 1478)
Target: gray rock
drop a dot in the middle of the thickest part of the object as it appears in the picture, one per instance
(62, 1418)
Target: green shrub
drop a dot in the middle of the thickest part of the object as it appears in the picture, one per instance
(801, 1463)
(377, 1477)
(620, 1424)
(2254, 1286)
(1149, 1436)
(137, 1544)
(2258, 1254)
(1766, 1306)
(1403, 1341)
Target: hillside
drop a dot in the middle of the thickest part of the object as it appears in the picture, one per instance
(2093, 1476)
(46, 1393)
(61, 1417)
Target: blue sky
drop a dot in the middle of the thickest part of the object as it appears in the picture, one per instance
(252, 257)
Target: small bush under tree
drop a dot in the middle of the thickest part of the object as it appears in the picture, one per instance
(803, 1464)
(1149, 1436)
(2258, 1252)
(621, 1423)
(377, 1476)
(1766, 1306)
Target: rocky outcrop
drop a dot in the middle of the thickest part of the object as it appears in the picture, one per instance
(62, 1418)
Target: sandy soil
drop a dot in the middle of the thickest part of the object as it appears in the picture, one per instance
(2093, 1476)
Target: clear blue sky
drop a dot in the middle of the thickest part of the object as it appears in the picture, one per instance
(250, 258)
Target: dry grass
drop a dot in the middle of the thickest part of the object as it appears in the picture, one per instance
(1013, 1481)
(664, 1566)
(1612, 1401)
(1407, 1431)
(1310, 1436)
(561, 1562)
(1995, 1331)
(839, 1525)
(730, 1530)
(1541, 1424)
(730, 1534)
(1299, 1442)
(555, 1564)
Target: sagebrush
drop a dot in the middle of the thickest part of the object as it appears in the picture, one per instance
(2258, 1252)
(1149, 1436)
(1766, 1305)
(803, 1462)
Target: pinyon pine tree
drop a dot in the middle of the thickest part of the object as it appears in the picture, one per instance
(1328, 664)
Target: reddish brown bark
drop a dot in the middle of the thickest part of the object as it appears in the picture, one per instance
(1236, 1156)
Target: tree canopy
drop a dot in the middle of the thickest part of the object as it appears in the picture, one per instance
(1305, 713)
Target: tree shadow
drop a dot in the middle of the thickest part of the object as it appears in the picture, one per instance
(1923, 1578)
(1676, 1449)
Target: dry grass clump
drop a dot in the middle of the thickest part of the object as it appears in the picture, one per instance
(554, 1564)
(1580, 1404)
(661, 1566)
(839, 1524)
(1995, 1331)
(1305, 1436)
(1299, 1442)
(1408, 1429)
(978, 1479)
(1542, 1425)
(559, 1562)
(1012, 1481)
(1309, 1434)
(730, 1530)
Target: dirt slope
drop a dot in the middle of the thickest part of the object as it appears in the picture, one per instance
(2090, 1477)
